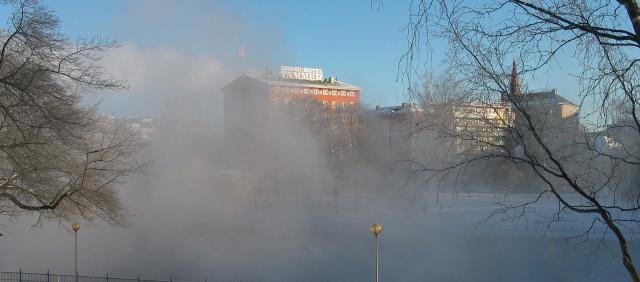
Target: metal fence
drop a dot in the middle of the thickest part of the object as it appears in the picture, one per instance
(51, 277)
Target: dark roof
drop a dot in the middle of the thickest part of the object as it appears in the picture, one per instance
(402, 109)
(544, 98)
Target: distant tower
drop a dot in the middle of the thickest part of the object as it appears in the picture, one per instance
(514, 89)
(514, 85)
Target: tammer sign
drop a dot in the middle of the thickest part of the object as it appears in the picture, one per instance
(301, 73)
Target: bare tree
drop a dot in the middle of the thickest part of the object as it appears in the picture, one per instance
(604, 36)
(58, 159)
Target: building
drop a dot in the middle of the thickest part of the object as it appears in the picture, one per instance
(250, 99)
(398, 127)
(145, 129)
(474, 127)
(481, 127)
(547, 111)
(551, 116)
(291, 83)
(550, 108)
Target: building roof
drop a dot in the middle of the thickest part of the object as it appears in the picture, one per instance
(274, 79)
(545, 98)
(402, 109)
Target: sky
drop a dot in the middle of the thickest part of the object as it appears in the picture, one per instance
(351, 40)
(192, 46)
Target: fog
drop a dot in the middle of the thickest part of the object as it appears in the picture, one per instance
(207, 211)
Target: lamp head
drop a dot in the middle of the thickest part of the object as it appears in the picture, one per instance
(75, 226)
(375, 229)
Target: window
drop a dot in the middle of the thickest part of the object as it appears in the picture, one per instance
(324, 104)
(333, 104)
(325, 92)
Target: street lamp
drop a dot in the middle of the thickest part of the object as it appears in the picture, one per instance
(76, 226)
(376, 229)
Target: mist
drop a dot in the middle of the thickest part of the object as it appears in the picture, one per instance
(208, 211)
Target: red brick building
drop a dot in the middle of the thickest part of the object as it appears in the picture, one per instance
(268, 88)
(249, 99)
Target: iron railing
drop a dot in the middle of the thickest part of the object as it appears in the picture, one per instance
(21, 276)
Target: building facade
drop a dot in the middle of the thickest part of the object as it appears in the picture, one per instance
(481, 127)
(544, 114)
(397, 128)
(251, 99)
(550, 111)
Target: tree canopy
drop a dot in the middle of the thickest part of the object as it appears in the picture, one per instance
(58, 158)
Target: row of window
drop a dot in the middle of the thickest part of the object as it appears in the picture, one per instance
(338, 105)
(314, 91)
(479, 129)
(334, 104)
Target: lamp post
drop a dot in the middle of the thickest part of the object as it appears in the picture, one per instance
(376, 229)
(76, 226)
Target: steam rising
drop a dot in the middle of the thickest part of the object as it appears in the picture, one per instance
(197, 215)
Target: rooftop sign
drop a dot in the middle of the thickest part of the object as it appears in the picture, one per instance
(301, 73)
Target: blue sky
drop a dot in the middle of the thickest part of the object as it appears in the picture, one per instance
(351, 40)
(348, 39)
